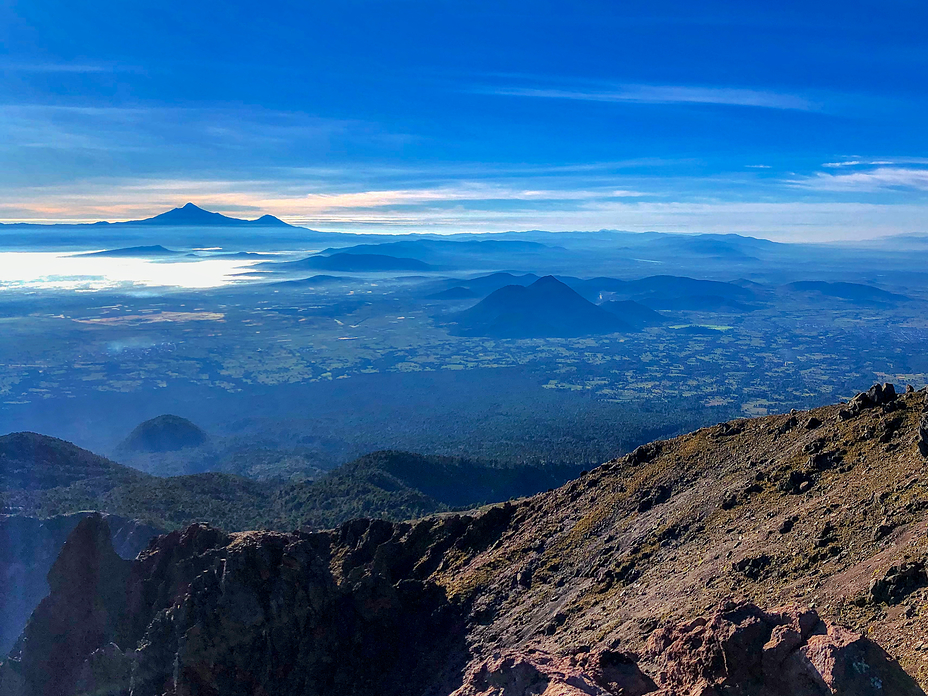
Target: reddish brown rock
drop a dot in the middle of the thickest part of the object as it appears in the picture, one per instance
(738, 651)
(744, 651)
(848, 663)
(514, 673)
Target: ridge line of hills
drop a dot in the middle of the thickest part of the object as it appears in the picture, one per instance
(43, 476)
(533, 307)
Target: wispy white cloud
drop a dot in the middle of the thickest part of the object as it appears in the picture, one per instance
(660, 94)
(174, 137)
(883, 161)
(869, 181)
(58, 67)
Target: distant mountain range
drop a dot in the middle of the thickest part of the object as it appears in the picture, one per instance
(458, 292)
(351, 263)
(459, 253)
(633, 302)
(482, 285)
(397, 485)
(41, 476)
(673, 292)
(189, 215)
(853, 292)
(137, 251)
(654, 292)
(634, 314)
(310, 282)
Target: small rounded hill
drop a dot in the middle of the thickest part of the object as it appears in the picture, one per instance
(166, 433)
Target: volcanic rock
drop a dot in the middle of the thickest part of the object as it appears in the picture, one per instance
(513, 673)
(29, 547)
(738, 650)
(900, 580)
(923, 434)
(789, 652)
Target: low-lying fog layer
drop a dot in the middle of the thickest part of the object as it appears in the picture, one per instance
(54, 270)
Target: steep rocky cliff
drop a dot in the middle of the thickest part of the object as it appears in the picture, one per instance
(29, 547)
(616, 583)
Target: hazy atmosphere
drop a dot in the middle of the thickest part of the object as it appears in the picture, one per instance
(401, 348)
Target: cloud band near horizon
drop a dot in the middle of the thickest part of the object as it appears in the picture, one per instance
(475, 207)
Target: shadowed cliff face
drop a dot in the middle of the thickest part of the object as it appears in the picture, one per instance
(270, 613)
(204, 612)
(86, 603)
(29, 547)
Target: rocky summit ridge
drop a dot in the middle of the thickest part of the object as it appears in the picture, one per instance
(760, 557)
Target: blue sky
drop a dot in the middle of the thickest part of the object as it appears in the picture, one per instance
(791, 120)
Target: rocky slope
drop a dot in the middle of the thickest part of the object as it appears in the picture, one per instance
(616, 583)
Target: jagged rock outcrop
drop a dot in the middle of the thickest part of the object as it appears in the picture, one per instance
(897, 582)
(743, 650)
(29, 547)
(83, 611)
(291, 614)
(349, 612)
(877, 395)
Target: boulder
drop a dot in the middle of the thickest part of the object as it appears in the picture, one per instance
(898, 581)
(877, 395)
(739, 650)
(743, 650)
(923, 434)
(752, 567)
(644, 453)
